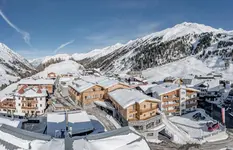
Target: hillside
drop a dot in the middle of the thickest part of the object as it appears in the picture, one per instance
(12, 66)
(213, 47)
(64, 67)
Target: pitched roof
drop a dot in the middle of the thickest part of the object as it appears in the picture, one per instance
(108, 83)
(127, 97)
(163, 88)
(31, 92)
(124, 138)
(36, 82)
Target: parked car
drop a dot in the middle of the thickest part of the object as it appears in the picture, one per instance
(214, 127)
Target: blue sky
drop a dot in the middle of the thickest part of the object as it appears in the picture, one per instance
(43, 27)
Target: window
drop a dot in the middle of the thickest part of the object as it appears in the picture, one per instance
(40, 105)
(138, 127)
(150, 134)
(144, 106)
(18, 104)
(151, 105)
(150, 125)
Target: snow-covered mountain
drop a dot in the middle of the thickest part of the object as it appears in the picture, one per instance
(94, 54)
(214, 47)
(210, 46)
(49, 59)
(12, 66)
(97, 53)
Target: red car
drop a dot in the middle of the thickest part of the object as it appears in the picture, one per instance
(214, 127)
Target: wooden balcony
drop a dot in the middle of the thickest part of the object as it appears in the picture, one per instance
(29, 107)
(170, 105)
(29, 101)
(171, 99)
(173, 110)
(8, 106)
(132, 111)
(148, 109)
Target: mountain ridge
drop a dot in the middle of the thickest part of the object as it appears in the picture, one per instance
(161, 47)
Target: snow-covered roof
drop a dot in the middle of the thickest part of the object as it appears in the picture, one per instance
(14, 123)
(163, 88)
(144, 88)
(93, 79)
(124, 138)
(80, 85)
(32, 92)
(36, 82)
(108, 83)
(127, 97)
(79, 121)
(8, 90)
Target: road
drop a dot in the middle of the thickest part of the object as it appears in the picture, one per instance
(101, 116)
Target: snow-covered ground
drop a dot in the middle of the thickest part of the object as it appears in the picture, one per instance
(183, 67)
(8, 90)
(197, 129)
(97, 124)
(63, 67)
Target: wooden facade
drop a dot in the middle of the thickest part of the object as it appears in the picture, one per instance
(137, 111)
(88, 96)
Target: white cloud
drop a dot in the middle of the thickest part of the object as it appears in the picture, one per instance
(63, 45)
(26, 35)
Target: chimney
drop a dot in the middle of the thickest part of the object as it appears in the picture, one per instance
(39, 90)
(21, 91)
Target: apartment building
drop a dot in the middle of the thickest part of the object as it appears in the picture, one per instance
(30, 100)
(136, 109)
(85, 93)
(48, 84)
(175, 99)
(7, 105)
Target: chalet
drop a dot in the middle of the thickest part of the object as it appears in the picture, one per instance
(175, 99)
(85, 93)
(30, 100)
(132, 105)
(51, 75)
(136, 109)
(111, 85)
(48, 84)
(7, 105)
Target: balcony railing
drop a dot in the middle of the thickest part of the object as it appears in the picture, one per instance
(170, 105)
(148, 109)
(171, 99)
(144, 122)
(29, 107)
(29, 101)
(173, 110)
